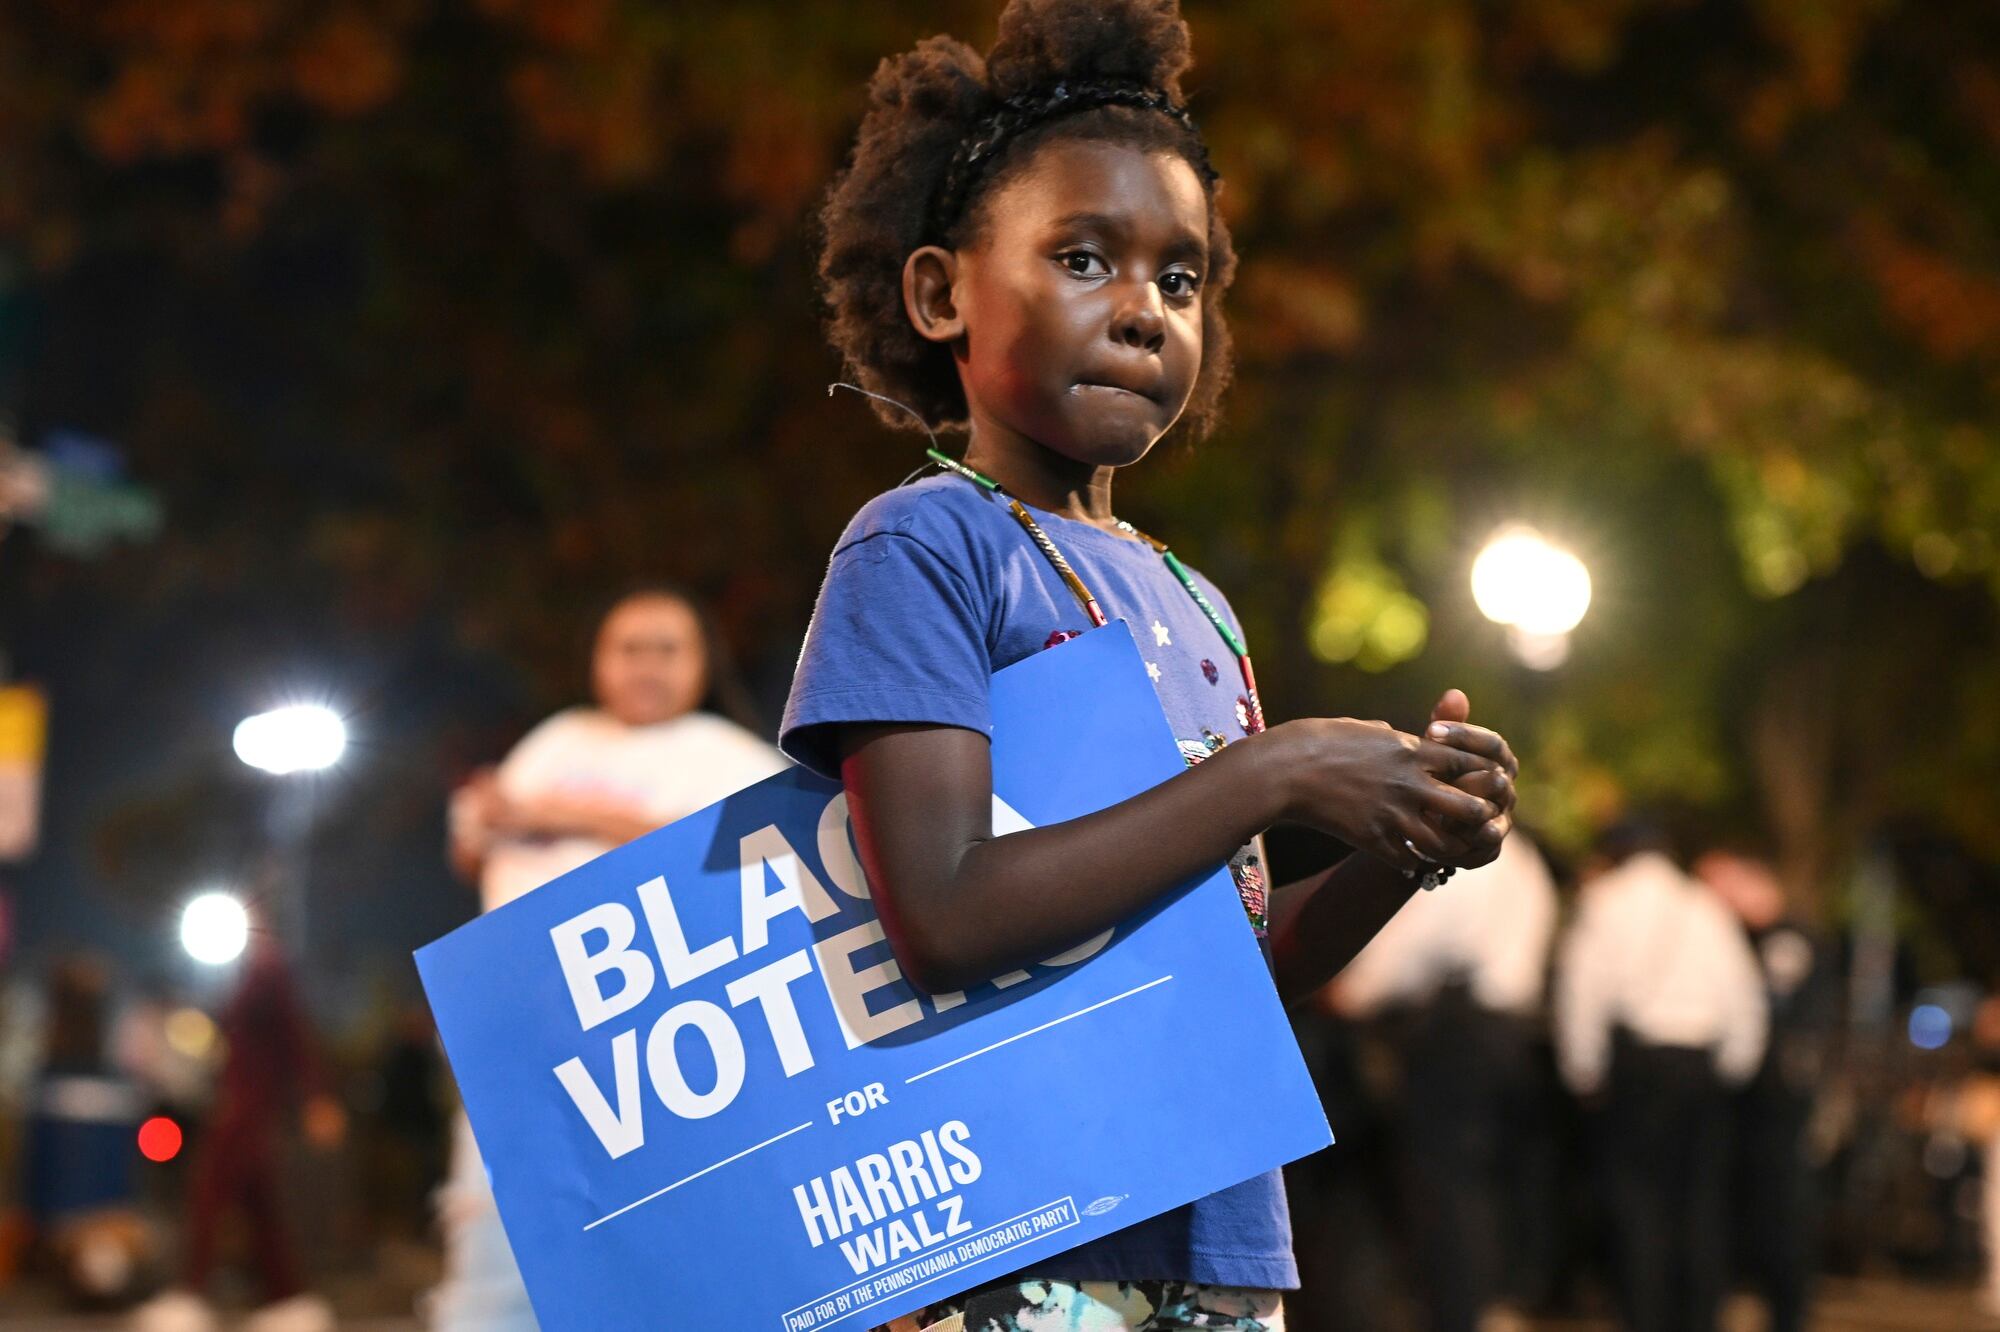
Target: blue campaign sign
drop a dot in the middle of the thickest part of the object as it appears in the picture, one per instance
(708, 1099)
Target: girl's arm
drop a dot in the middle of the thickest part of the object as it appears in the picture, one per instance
(1321, 923)
(961, 906)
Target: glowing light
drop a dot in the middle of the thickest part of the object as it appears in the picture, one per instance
(190, 1033)
(304, 737)
(1524, 580)
(159, 1139)
(1538, 652)
(1930, 1027)
(215, 929)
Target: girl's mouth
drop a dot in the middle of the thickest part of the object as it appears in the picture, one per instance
(1109, 388)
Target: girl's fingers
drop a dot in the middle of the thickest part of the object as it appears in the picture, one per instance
(1454, 804)
(1476, 740)
(1420, 845)
(1448, 763)
(1493, 784)
(1452, 705)
(1481, 846)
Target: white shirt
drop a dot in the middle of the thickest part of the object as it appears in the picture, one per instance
(1491, 925)
(1659, 952)
(669, 770)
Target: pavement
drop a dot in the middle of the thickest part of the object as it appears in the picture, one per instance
(1844, 1306)
(54, 1322)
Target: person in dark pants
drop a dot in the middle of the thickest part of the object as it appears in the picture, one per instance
(1659, 1008)
(1471, 1104)
(1664, 1138)
(1456, 982)
(1777, 1207)
(78, 1185)
(1341, 1205)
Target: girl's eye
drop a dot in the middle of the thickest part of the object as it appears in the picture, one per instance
(1179, 282)
(1082, 263)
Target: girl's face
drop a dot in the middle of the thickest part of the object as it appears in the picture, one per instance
(650, 664)
(1081, 300)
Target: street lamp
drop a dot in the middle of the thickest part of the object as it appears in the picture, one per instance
(304, 737)
(1536, 588)
(215, 928)
(286, 741)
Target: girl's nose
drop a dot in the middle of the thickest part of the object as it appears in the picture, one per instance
(1141, 322)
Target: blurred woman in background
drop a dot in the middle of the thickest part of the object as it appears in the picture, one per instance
(668, 735)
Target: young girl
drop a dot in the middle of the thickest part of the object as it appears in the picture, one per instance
(1027, 247)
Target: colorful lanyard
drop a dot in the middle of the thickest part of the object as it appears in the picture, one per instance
(1082, 593)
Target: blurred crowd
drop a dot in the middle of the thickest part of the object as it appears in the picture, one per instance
(1634, 1088)
(153, 1140)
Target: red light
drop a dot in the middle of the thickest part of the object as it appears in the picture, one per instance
(159, 1139)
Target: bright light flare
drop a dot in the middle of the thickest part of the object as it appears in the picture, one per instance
(1524, 580)
(215, 929)
(304, 737)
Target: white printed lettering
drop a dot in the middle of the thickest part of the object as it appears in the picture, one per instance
(771, 987)
(724, 1044)
(767, 850)
(581, 967)
(676, 961)
(617, 1133)
(849, 989)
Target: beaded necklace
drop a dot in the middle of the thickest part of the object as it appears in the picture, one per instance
(1427, 878)
(1082, 593)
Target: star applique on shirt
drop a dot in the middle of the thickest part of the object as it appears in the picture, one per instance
(1161, 638)
(1153, 671)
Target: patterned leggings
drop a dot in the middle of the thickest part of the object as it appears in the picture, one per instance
(1107, 1306)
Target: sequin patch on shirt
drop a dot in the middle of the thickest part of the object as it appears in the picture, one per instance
(1245, 867)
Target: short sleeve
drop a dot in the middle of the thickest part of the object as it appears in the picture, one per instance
(897, 636)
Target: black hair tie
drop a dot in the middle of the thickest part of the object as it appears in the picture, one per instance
(986, 140)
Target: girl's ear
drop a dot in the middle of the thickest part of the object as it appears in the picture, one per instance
(929, 277)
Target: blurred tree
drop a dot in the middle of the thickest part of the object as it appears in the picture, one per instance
(416, 309)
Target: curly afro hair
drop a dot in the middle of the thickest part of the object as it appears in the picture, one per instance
(921, 105)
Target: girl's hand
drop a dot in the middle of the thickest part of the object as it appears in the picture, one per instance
(1472, 846)
(1382, 791)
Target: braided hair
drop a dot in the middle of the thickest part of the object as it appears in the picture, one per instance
(945, 128)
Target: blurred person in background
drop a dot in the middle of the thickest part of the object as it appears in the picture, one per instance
(270, 1071)
(1775, 1206)
(656, 746)
(20, 1055)
(1659, 1010)
(1974, 1113)
(81, 1194)
(1342, 1203)
(1457, 977)
(409, 1125)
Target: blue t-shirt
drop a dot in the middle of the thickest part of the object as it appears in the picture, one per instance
(934, 587)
